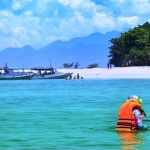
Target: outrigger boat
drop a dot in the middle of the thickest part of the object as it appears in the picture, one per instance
(49, 73)
(13, 74)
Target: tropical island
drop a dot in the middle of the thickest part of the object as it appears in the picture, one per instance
(132, 48)
(129, 54)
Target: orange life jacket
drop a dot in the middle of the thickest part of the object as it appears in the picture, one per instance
(126, 118)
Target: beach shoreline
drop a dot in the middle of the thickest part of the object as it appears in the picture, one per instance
(139, 72)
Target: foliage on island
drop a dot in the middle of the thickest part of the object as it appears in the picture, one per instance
(70, 65)
(132, 46)
(76, 65)
(94, 65)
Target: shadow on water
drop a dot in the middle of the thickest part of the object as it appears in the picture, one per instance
(131, 140)
(128, 140)
(122, 140)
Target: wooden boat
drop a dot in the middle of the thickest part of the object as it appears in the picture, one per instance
(13, 74)
(49, 73)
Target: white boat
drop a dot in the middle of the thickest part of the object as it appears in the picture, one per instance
(49, 73)
(14, 74)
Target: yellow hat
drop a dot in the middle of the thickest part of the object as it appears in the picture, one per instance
(140, 101)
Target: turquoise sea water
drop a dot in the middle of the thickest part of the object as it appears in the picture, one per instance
(68, 114)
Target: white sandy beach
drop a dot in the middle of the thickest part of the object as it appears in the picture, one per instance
(116, 72)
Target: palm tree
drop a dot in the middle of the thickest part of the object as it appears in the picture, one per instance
(70, 65)
(76, 65)
(66, 65)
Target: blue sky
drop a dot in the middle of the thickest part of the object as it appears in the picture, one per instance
(40, 22)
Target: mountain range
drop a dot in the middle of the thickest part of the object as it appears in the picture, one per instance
(90, 49)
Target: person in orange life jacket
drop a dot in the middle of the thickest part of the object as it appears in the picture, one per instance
(131, 114)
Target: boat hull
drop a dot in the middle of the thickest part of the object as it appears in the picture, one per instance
(22, 77)
(52, 76)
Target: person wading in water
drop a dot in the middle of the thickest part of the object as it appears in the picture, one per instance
(131, 114)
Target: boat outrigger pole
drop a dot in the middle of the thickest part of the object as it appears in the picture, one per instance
(50, 63)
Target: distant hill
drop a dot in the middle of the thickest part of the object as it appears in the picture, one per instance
(84, 50)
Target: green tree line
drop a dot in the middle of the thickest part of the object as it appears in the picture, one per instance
(76, 65)
(133, 45)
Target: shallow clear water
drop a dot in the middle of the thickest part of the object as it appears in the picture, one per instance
(66, 114)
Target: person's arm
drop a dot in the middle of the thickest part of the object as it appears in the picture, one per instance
(139, 119)
(143, 112)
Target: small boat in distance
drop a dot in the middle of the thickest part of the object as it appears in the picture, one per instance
(14, 74)
(49, 73)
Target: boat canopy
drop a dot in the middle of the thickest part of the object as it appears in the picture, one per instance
(42, 69)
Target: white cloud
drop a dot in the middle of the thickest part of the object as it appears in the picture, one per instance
(39, 22)
(5, 13)
(72, 3)
(141, 7)
(16, 6)
(9, 42)
(128, 22)
(27, 13)
(103, 22)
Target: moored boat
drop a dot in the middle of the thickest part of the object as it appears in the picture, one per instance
(13, 74)
(49, 73)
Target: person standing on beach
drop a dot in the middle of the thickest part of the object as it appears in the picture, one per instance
(108, 65)
(131, 114)
(78, 76)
